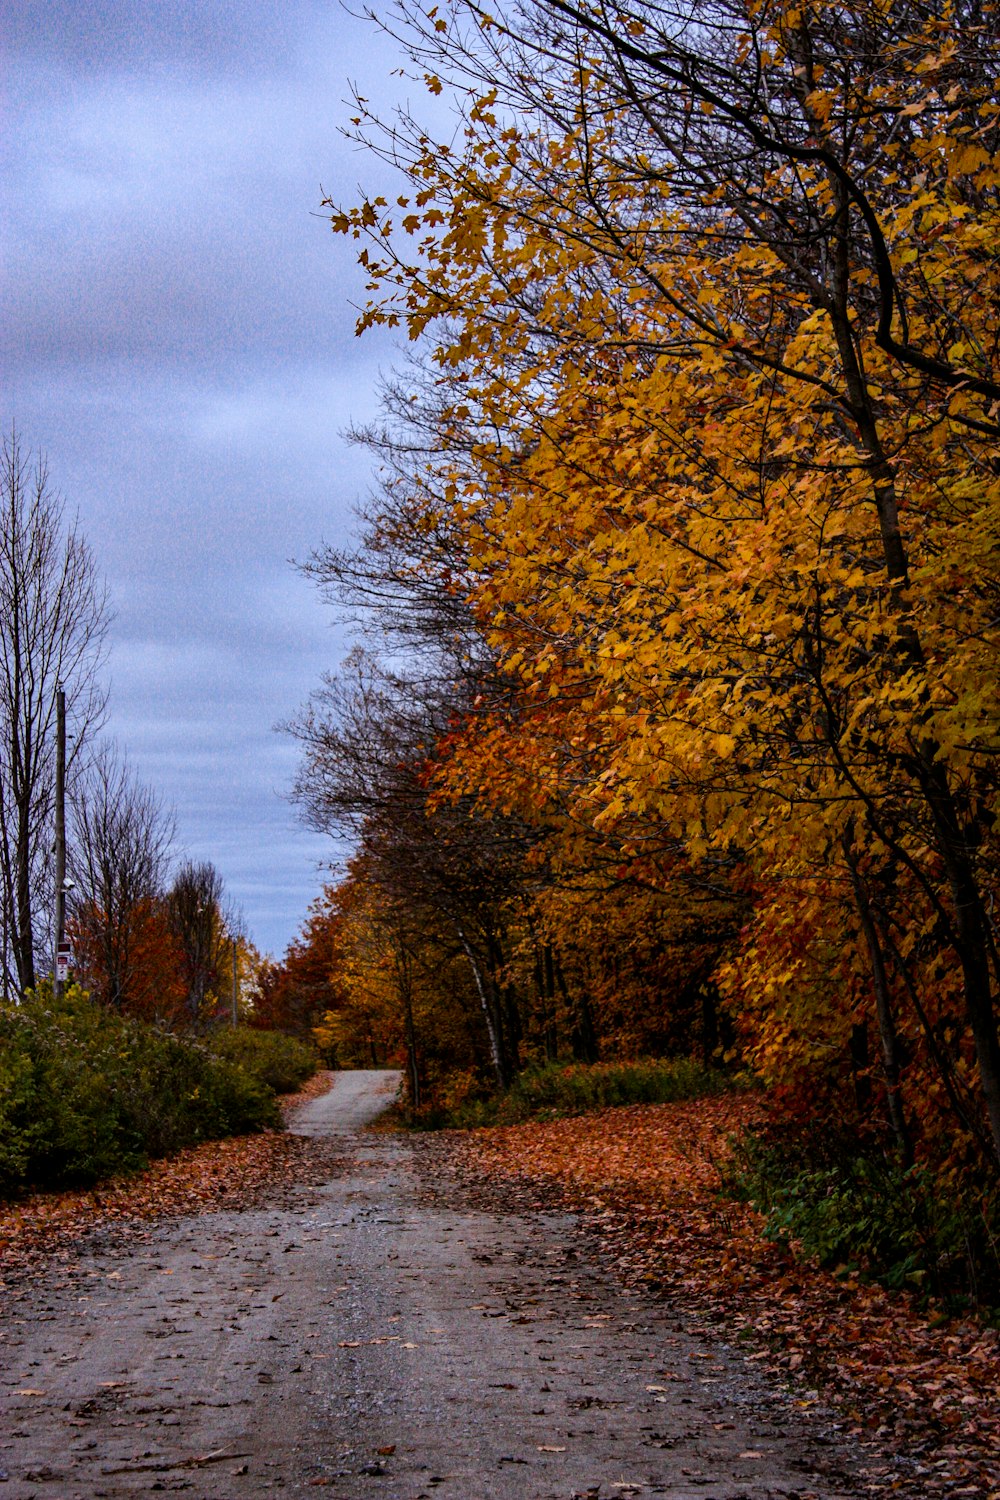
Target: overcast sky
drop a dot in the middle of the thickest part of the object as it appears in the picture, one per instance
(179, 340)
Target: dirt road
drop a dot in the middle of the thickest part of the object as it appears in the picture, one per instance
(367, 1340)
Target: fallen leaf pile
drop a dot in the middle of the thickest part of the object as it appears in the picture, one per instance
(646, 1179)
(239, 1173)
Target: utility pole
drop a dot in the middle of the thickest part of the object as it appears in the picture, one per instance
(235, 984)
(60, 971)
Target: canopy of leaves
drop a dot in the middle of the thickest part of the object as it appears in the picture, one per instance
(685, 568)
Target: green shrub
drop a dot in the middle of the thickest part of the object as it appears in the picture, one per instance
(17, 1088)
(556, 1089)
(282, 1062)
(85, 1093)
(855, 1208)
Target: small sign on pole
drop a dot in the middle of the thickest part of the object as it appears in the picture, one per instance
(64, 962)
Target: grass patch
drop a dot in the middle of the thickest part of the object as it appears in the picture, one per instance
(556, 1090)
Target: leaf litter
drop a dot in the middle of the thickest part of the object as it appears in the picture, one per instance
(235, 1174)
(646, 1179)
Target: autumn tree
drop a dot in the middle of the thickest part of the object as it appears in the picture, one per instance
(294, 994)
(367, 738)
(407, 992)
(374, 746)
(710, 302)
(405, 587)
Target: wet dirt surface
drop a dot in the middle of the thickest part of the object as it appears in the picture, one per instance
(374, 1337)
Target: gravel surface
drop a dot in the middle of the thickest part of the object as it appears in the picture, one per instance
(374, 1337)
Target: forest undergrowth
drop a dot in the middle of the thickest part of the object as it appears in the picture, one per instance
(551, 1090)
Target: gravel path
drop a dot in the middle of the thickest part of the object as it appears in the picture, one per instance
(372, 1339)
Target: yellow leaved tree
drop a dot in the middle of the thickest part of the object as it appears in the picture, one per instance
(707, 299)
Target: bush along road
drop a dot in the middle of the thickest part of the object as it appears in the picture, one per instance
(381, 1330)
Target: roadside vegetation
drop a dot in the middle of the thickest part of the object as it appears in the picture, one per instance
(86, 1094)
(280, 1062)
(851, 1207)
(673, 731)
(554, 1090)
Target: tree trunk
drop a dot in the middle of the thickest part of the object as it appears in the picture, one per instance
(883, 1010)
(583, 1033)
(24, 950)
(551, 1030)
(493, 1030)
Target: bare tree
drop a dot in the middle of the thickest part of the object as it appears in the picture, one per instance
(441, 868)
(201, 929)
(121, 841)
(53, 622)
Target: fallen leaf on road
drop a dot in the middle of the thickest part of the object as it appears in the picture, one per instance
(646, 1181)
